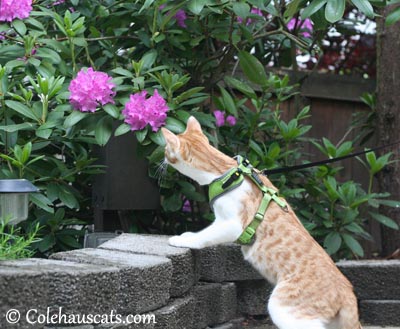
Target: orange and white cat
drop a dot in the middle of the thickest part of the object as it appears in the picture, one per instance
(310, 292)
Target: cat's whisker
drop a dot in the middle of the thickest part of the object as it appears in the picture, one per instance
(161, 172)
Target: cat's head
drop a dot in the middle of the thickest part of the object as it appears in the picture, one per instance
(192, 155)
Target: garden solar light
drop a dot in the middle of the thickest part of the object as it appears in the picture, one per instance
(14, 199)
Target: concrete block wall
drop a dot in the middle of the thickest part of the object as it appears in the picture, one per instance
(182, 288)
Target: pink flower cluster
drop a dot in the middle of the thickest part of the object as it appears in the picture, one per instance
(140, 111)
(305, 26)
(12, 9)
(220, 119)
(90, 88)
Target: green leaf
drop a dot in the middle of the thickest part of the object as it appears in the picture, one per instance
(141, 134)
(53, 191)
(176, 126)
(103, 130)
(252, 68)
(196, 6)
(229, 103)
(332, 242)
(26, 152)
(149, 58)
(365, 7)
(68, 198)
(111, 110)
(390, 203)
(18, 127)
(123, 72)
(393, 17)
(146, 5)
(158, 138)
(241, 9)
(241, 86)
(81, 42)
(72, 119)
(46, 243)
(22, 109)
(292, 8)
(384, 220)
(122, 129)
(43, 133)
(68, 240)
(41, 201)
(19, 26)
(312, 8)
(334, 10)
(353, 244)
(173, 203)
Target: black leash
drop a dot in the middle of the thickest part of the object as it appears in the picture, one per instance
(323, 162)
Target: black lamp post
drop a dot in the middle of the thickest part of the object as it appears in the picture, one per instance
(14, 198)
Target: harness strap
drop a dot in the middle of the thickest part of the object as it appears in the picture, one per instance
(234, 178)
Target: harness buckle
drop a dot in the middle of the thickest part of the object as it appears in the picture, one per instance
(259, 217)
(247, 237)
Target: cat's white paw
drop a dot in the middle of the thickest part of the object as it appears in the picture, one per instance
(185, 241)
(187, 234)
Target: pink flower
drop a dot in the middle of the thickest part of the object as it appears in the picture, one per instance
(58, 2)
(186, 206)
(90, 88)
(180, 17)
(219, 118)
(12, 9)
(140, 111)
(305, 26)
(231, 120)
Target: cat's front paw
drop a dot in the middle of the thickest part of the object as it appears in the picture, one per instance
(185, 240)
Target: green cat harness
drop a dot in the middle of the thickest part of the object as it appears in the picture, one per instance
(232, 179)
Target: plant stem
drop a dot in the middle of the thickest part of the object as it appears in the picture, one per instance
(72, 49)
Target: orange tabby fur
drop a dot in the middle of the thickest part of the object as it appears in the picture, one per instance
(310, 292)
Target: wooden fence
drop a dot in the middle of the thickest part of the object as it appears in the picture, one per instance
(334, 100)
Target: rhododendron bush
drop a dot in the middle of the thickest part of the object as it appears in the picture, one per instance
(71, 71)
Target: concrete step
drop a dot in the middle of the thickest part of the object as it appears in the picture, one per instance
(39, 283)
(184, 268)
(144, 280)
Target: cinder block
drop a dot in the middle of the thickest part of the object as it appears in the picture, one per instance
(40, 284)
(380, 312)
(87, 326)
(224, 263)
(184, 269)
(215, 303)
(144, 280)
(373, 279)
(252, 296)
(178, 314)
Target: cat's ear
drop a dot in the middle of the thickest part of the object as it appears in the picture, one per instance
(193, 125)
(170, 138)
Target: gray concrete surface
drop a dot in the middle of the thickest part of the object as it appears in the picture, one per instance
(144, 281)
(185, 272)
(224, 263)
